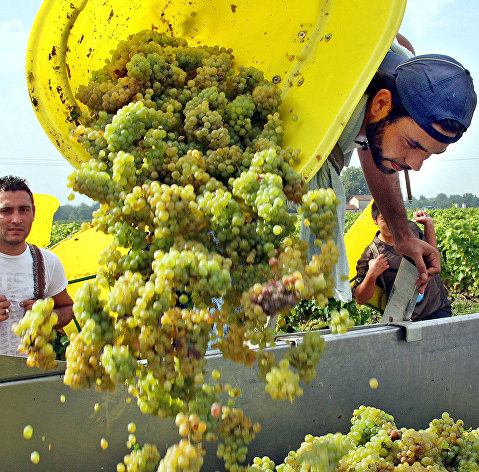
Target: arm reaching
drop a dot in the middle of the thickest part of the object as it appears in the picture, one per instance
(63, 308)
(422, 217)
(404, 42)
(386, 192)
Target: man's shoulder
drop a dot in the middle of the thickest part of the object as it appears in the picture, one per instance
(49, 256)
(54, 271)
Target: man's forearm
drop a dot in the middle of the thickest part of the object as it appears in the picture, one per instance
(65, 315)
(386, 192)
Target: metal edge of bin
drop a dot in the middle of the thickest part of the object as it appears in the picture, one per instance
(417, 382)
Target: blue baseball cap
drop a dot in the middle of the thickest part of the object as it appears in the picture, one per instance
(433, 87)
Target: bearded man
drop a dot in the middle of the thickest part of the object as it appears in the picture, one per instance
(414, 107)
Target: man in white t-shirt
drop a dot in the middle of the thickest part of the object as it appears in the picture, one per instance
(26, 272)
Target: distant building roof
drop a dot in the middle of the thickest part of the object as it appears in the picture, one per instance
(366, 198)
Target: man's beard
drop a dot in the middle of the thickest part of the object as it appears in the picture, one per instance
(375, 135)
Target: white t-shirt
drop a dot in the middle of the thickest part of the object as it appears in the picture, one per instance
(17, 284)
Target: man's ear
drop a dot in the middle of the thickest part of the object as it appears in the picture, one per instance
(33, 211)
(381, 105)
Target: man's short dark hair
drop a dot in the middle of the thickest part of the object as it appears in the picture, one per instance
(10, 183)
(451, 126)
(375, 211)
(384, 80)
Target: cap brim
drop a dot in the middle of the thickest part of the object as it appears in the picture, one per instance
(391, 61)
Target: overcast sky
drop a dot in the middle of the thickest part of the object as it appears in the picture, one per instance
(439, 26)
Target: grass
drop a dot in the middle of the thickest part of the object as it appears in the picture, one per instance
(462, 305)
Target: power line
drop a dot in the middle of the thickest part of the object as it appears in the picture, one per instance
(462, 159)
(39, 165)
(34, 162)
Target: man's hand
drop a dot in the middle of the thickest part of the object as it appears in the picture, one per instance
(27, 304)
(378, 265)
(63, 308)
(386, 191)
(425, 256)
(4, 308)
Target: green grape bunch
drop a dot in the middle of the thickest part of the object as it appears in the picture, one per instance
(375, 444)
(187, 162)
(36, 332)
(340, 321)
(141, 459)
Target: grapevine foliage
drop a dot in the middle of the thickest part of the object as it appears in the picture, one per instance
(63, 231)
(456, 230)
(457, 241)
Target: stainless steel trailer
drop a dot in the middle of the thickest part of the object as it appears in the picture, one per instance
(423, 369)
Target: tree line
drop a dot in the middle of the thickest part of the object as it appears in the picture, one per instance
(355, 184)
(443, 201)
(82, 212)
(353, 181)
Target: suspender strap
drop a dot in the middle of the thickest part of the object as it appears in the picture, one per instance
(38, 272)
(375, 251)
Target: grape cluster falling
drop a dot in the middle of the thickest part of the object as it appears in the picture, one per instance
(187, 163)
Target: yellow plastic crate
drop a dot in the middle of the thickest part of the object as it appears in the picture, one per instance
(79, 255)
(323, 51)
(45, 208)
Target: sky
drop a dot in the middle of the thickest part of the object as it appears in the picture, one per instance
(440, 26)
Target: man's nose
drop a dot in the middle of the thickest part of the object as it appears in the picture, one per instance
(17, 216)
(415, 160)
